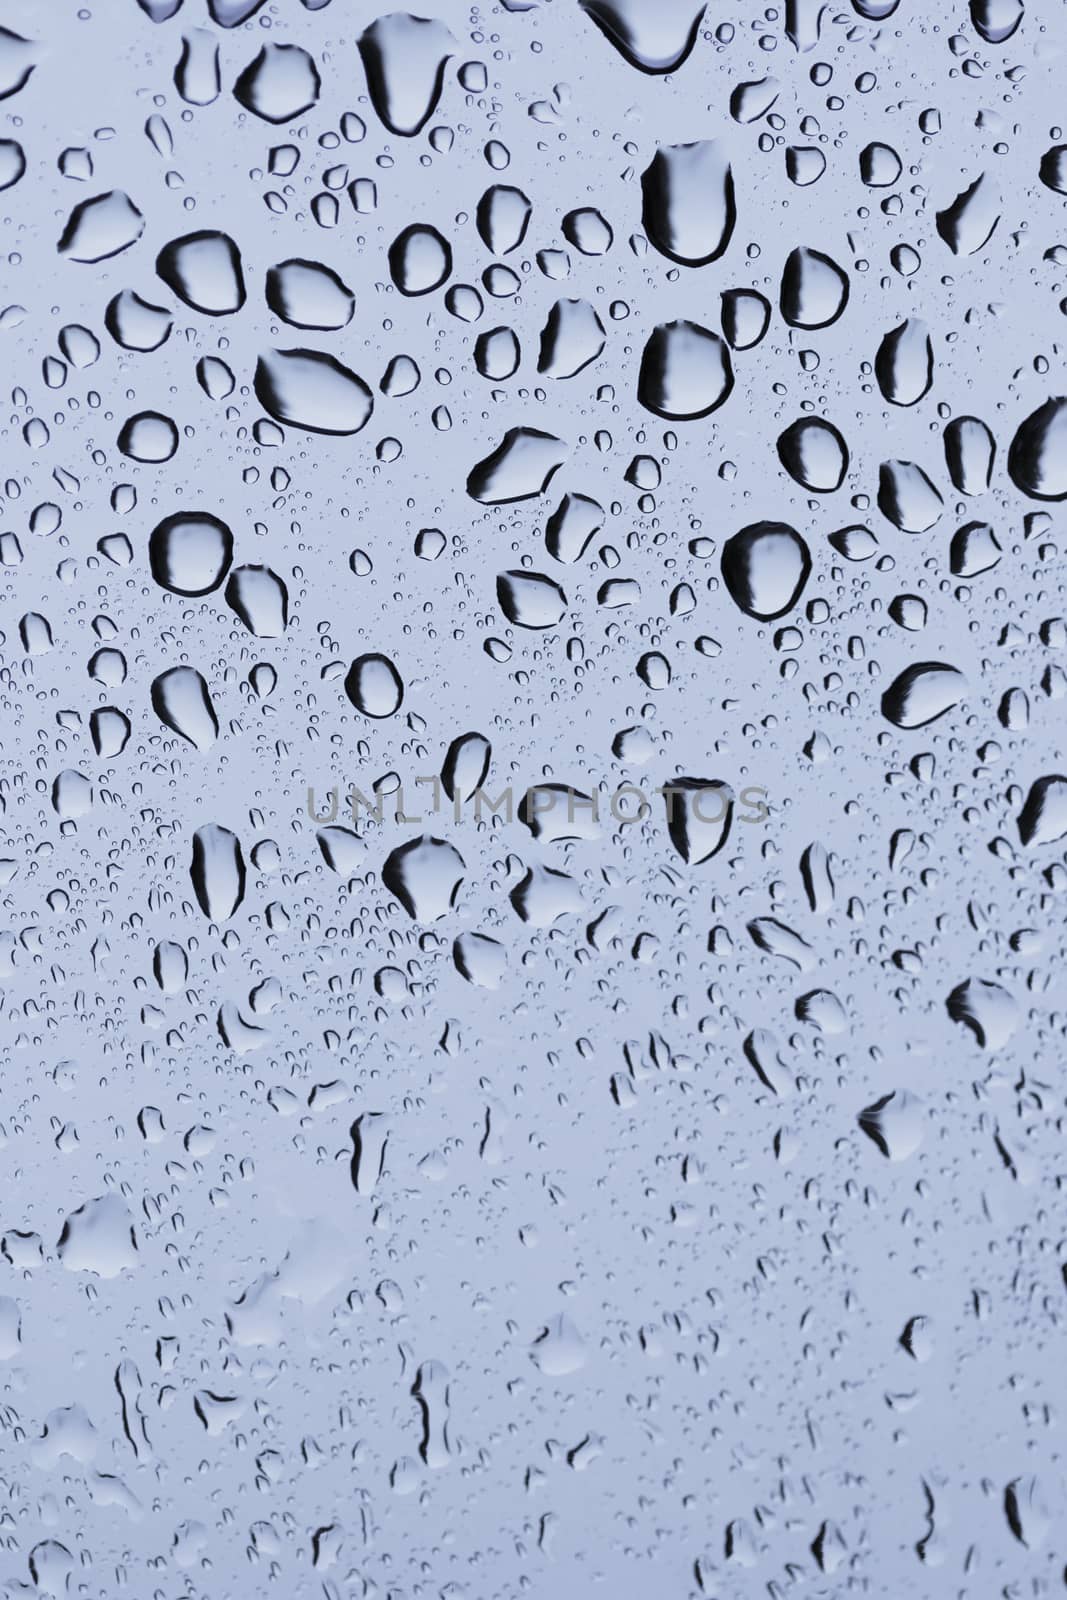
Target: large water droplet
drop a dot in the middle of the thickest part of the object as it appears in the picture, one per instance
(307, 294)
(190, 552)
(424, 875)
(922, 693)
(685, 372)
(1037, 456)
(813, 452)
(101, 227)
(204, 270)
(655, 36)
(904, 365)
(311, 390)
(279, 84)
(814, 289)
(530, 600)
(404, 58)
(217, 871)
(522, 465)
(765, 567)
(420, 259)
(374, 686)
(688, 192)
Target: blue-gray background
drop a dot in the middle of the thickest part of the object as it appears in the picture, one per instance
(656, 1307)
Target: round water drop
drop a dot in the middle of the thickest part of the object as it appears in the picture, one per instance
(204, 270)
(148, 436)
(307, 294)
(190, 552)
(745, 316)
(880, 166)
(804, 165)
(374, 686)
(814, 289)
(765, 567)
(420, 260)
(587, 231)
(685, 372)
(814, 453)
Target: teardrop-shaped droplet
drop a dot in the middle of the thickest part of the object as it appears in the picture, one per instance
(653, 37)
(404, 58)
(923, 693)
(746, 315)
(904, 365)
(970, 450)
(996, 20)
(181, 700)
(218, 871)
